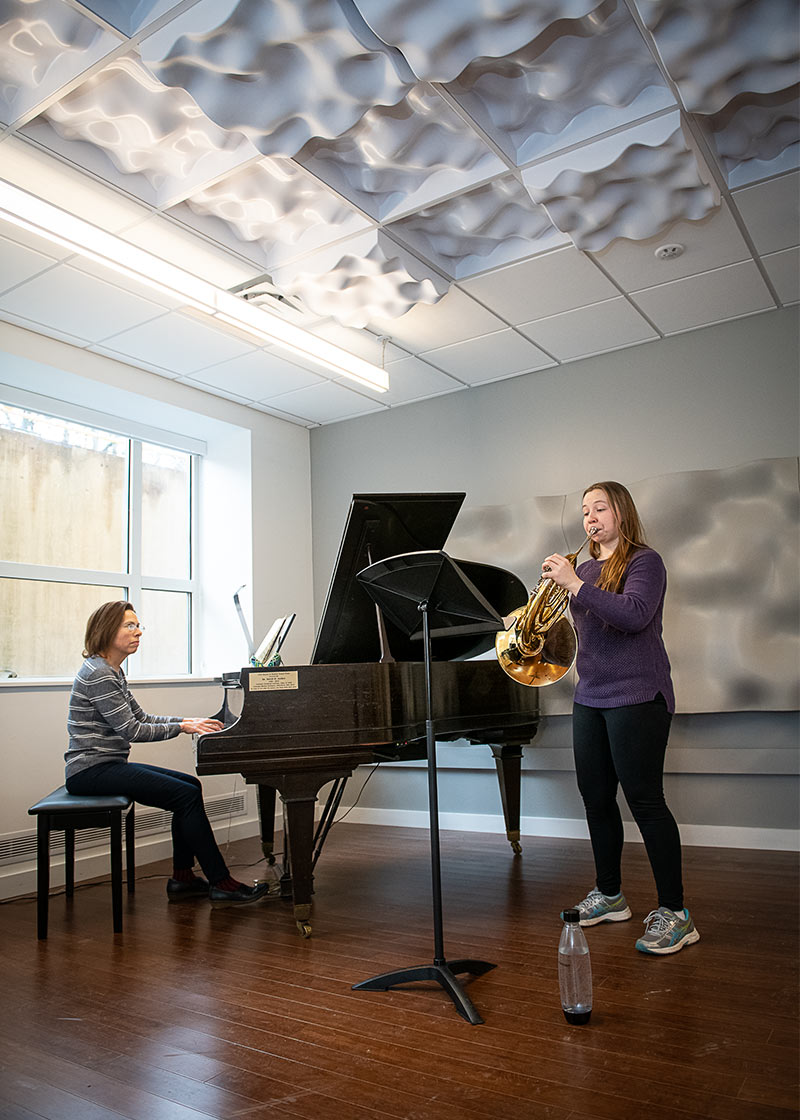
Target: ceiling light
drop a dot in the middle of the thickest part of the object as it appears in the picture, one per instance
(78, 236)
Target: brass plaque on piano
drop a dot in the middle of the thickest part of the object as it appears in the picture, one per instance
(273, 682)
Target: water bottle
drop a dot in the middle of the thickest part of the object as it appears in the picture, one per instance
(574, 970)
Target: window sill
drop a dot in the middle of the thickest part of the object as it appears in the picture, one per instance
(8, 683)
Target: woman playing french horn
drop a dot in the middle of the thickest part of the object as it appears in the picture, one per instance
(622, 711)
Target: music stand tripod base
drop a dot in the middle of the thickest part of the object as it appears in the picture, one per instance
(444, 973)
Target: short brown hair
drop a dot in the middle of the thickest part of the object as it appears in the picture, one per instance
(102, 627)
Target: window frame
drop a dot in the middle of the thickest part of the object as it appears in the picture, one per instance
(133, 578)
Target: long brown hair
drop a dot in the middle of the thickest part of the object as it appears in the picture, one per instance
(102, 627)
(631, 535)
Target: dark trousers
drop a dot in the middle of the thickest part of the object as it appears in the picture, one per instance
(626, 746)
(181, 794)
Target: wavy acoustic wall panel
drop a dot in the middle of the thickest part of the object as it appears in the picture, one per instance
(491, 225)
(280, 72)
(43, 45)
(732, 638)
(601, 192)
(402, 155)
(380, 280)
(147, 128)
(275, 203)
(439, 40)
(573, 81)
(722, 49)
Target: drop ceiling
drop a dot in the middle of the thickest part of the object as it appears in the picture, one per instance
(458, 192)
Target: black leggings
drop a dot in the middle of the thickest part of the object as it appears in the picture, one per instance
(626, 746)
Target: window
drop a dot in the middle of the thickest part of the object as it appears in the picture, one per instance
(88, 515)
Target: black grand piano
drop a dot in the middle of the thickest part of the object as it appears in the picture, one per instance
(362, 699)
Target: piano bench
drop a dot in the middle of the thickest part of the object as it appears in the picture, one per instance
(67, 812)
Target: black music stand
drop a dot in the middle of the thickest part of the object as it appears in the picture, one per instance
(431, 584)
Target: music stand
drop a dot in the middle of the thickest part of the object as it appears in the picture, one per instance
(433, 585)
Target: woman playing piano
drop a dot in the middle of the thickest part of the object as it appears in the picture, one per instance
(622, 712)
(104, 719)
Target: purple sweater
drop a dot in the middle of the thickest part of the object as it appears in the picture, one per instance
(621, 654)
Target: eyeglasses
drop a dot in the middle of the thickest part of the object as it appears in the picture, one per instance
(133, 626)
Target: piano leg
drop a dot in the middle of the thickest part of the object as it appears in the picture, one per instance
(266, 817)
(298, 790)
(508, 760)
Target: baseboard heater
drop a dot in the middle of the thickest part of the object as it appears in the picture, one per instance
(149, 822)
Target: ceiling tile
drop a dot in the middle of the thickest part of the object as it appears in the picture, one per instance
(257, 376)
(489, 358)
(125, 283)
(772, 212)
(40, 245)
(177, 343)
(55, 181)
(454, 318)
(553, 282)
(41, 328)
(19, 263)
(324, 403)
(74, 302)
(712, 242)
(712, 297)
(411, 379)
(783, 270)
(167, 240)
(590, 330)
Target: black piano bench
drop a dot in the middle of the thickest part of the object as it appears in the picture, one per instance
(68, 812)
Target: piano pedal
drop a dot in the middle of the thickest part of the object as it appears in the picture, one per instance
(274, 886)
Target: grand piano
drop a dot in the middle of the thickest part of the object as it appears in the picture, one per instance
(362, 699)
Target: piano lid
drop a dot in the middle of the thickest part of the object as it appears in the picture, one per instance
(382, 525)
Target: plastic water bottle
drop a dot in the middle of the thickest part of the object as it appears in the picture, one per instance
(574, 970)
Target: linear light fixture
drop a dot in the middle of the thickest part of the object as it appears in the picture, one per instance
(223, 308)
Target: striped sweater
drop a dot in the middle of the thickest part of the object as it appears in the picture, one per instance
(104, 719)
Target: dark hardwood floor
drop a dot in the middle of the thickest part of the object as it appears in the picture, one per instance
(194, 1012)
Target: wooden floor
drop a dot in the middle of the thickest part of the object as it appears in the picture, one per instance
(194, 1012)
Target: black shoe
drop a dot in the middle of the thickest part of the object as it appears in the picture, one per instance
(178, 889)
(237, 898)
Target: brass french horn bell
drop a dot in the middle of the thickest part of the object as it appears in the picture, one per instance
(540, 646)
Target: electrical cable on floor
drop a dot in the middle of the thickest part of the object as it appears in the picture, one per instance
(350, 808)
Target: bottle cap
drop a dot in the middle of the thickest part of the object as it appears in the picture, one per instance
(571, 915)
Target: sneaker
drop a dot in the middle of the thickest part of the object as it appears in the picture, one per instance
(596, 907)
(666, 932)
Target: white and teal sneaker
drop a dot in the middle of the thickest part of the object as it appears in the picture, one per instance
(597, 907)
(667, 932)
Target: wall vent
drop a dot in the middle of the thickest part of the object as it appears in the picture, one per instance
(149, 822)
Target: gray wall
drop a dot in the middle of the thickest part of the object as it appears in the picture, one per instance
(706, 400)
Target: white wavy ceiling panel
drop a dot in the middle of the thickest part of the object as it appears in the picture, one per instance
(370, 153)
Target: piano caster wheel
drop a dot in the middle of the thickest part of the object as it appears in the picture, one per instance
(516, 847)
(304, 929)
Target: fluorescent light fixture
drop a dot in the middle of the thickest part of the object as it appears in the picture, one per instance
(80, 237)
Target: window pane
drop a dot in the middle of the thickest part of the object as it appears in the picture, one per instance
(63, 493)
(164, 649)
(42, 625)
(166, 512)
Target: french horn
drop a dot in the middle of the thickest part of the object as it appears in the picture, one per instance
(540, 645)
